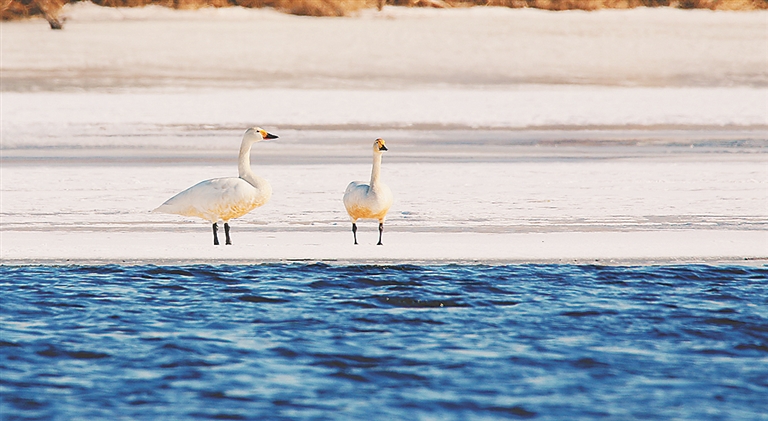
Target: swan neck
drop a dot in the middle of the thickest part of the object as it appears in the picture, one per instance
(244, 162)
(376, 170)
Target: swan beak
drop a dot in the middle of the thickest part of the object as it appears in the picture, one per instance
(383, 148)
(270, 136)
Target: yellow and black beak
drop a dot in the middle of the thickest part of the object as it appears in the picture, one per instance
(270, 136)
(383, 148)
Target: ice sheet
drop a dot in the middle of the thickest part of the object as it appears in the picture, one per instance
(88, 119)
(515, 135)
(625, 210)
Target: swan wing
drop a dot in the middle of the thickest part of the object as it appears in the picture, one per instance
(355, 193)
(358, 186)
(218, 198)
(363, 203)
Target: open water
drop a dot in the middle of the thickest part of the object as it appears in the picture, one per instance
(297, 341)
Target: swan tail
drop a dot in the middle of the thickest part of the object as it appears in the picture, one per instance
(161, 209)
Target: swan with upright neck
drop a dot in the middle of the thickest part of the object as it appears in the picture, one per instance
(223, 199)
(372, 200)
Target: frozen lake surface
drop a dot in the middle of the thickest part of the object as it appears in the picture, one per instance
(526, 203)
(570, 146)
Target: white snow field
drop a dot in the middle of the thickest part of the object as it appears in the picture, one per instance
(514, 136)
(399, 47)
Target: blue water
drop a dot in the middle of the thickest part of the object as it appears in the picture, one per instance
(295, 341)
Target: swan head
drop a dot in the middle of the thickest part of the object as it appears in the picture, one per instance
(257, 134)
(379, 146)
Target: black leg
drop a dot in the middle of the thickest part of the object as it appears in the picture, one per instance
(354, 232)
(215, 237)
(226, 232)
(381, 230)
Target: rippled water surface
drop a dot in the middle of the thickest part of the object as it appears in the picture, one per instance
(301, 341)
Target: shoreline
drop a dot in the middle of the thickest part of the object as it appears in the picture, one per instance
(673, 247)
(714, 261)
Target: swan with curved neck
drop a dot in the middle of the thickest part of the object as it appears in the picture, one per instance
(372, 200)
(222, 199)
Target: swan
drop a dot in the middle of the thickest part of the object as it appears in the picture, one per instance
(369, 201)
(222, 199)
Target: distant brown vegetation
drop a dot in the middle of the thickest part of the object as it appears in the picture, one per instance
(629, 4)
(19, 9)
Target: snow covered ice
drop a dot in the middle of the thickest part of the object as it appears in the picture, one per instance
(514, 135)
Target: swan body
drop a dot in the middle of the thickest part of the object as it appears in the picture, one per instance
(223, 199)
(369, 200)
(218, 199)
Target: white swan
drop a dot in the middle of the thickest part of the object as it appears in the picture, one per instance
(222, 199)
(369, 201)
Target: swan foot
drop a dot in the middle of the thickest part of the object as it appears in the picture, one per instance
(354, 232)
(226, 232)
(381, 230)
(215, 236)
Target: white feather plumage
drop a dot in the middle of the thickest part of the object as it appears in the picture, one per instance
(371, 200)
(223, 199)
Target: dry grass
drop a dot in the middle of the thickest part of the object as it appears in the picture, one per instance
(321, 7)
(627, 4)
(20, 9)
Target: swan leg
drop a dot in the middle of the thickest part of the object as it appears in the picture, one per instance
(226, 232)
(381, 230)
(215, 237)
(354, 231)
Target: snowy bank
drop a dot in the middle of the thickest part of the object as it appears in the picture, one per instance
(108, 48)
